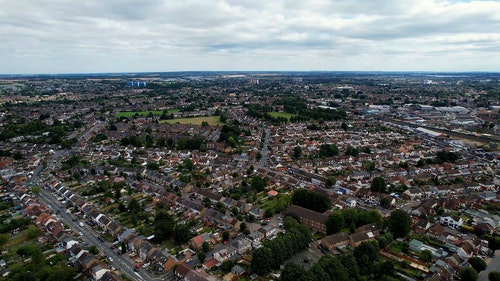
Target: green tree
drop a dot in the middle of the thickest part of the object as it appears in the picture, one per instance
(201, 256)
(226, 266)
(477, 263)
(225, 235)
(468, 274)
(311, 200)
(4, 238)
(163, 225)
(258, 183)
(33, 231)
(494, 276)
(328, 150)
(399, 223)
(205, 247)
(352, 151)
(366, 255)
(378, 185)
(334, 223)
(261, 261)
(94, 250)
(297, 152)
(181, 233)
(426, 255)
(293, 272)
(349, 263)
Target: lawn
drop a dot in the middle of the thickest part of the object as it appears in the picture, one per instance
(281, 114)
(211, 120)
(143, 113)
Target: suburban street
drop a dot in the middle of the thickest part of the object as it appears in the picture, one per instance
(493, 265)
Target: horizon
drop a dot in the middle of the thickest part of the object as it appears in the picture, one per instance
(249, 72)
(119, 36)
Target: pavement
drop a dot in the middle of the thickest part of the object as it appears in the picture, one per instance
(493, 265)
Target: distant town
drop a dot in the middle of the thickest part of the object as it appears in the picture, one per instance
(288, 176)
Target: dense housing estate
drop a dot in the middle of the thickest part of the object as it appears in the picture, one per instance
(192, 179)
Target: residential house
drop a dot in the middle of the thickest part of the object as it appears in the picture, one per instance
(357, 238)
(332, 242)
(451, 221)
(98, 271)
(314, 220)
(225, 253)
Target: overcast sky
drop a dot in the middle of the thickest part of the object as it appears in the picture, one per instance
(75, 36)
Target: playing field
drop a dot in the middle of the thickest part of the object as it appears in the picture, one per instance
(143, 113)
(211, 120)
(281, 114)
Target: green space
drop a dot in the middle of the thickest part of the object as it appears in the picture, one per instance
(211, 120)
(286, 115)
(143, 113)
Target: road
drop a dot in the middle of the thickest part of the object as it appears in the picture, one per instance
(89, 236)
(265, 151)
(493, 265)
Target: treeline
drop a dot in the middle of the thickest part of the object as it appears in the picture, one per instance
(299, 107)
(191, 143)
(352, 218)
(41, 132)
(311, 200)
(363, 264)
(51, 269)
(262, 113)
(275, 252)
(441, 157)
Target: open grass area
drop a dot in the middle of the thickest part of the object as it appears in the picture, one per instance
(211, 120)
(143, 113)
(281, 114)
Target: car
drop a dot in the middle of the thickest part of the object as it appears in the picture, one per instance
(110, 259)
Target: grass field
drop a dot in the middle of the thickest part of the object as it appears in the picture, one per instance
(211, 120)
(281, 114)
(143, 113)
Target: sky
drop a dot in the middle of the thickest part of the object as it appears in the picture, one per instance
(66, 36)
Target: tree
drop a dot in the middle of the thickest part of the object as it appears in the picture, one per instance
(494, 276)
(349, 263)
(33, 231)
(225, 235)
(226, 266)
(328, 150)
(477, 263)
(205, 247)
(385, 202)
(293, 272)
(4, 238)
(352, 151)
(330, 181)
(344, 126)
(181, 233)
(311, 200)
(468, 274)
(297, 152)
(261, 261)
(366, 255)
(258, 183)
(164, 225)
(334, 223)
(399, 223)
(94, 250)
(201, 256)
(426, 255)
(378, 185)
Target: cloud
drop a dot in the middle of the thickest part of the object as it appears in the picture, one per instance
(126, 35)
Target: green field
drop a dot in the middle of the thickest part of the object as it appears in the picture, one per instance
(211, 120)
(281, 114)
(143, 113)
